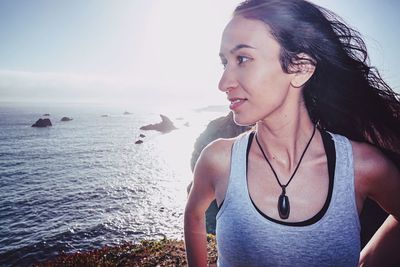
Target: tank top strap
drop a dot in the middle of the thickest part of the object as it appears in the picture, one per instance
(236, 190)
(344, 196)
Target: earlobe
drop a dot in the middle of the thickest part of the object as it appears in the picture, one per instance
(295, 85)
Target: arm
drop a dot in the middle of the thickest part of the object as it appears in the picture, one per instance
(383, 248)
(200, 197)
(380, 181)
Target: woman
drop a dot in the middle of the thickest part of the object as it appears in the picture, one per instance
(326, 138)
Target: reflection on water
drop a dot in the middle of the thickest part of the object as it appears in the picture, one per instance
(85, 183)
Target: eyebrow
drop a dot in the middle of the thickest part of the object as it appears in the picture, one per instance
(240, 46)
(237, 47)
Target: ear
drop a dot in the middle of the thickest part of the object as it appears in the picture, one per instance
(303, 68)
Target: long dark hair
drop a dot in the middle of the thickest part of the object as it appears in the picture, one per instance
(345, 95)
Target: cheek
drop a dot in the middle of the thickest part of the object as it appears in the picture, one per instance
(269, 89)
(267, 81)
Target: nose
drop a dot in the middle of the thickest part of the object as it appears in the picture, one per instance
(227, 81)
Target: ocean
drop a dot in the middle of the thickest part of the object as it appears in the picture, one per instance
(84, 184)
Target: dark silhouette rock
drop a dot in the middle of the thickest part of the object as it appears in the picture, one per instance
(66, 119)
(46, 115)
(165, 126)
(138, 142)
(127, 113)
(42, 123)
(372, 215)
(142, 135)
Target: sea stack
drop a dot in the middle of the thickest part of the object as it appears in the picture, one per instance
(42, 123)
(165, 126)
(66, 119)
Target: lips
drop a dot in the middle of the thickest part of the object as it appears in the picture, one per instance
(236, 102)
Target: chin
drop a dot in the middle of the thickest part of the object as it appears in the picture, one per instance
(242, 120)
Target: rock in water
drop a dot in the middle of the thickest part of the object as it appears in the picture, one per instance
(138, 142)
(42, 123)
(66, 119)
(165, 126)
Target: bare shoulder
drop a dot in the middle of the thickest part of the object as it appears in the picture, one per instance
(215, 157)
(370, 162)
(376, 175)
(208, 170)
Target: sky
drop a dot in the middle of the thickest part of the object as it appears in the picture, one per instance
(146, 52)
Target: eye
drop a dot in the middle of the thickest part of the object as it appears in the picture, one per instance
(242, 59)
(224, 62)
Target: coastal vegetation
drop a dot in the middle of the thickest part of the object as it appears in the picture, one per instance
(164, 252)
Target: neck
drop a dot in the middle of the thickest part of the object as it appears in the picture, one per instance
(284, 137)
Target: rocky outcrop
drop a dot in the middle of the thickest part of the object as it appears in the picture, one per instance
(66, 119)
(165, 126)
(46, 115)
(223, 127)
(42, 123)
(127, 113)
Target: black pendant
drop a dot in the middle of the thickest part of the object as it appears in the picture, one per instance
(283, 205)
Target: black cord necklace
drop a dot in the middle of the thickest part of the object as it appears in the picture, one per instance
(283, 201)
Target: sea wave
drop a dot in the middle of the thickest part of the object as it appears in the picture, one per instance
(85, 183)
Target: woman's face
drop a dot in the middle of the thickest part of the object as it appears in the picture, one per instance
(253, 79)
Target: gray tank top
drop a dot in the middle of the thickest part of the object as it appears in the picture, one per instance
(245, 237)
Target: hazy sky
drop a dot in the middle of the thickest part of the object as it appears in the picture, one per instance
(145, 51)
